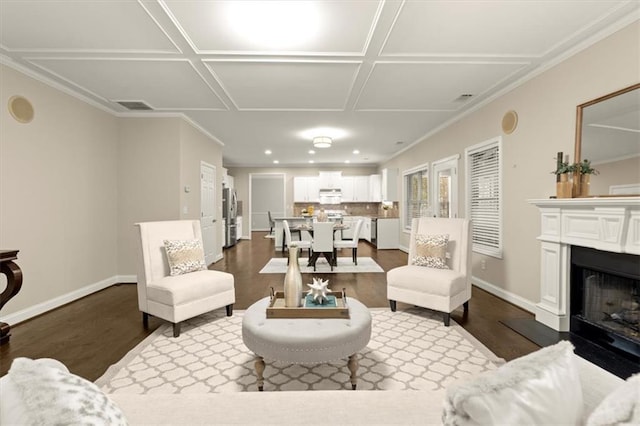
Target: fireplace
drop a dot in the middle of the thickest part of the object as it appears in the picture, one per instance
(589, 277)
(605, 300)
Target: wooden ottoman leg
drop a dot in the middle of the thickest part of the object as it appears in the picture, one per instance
(353, 368)
(259, 372)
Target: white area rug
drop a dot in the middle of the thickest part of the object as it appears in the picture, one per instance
(278, 265)
(408, 350)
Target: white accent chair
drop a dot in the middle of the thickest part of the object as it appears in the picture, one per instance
(301, 244)
(352, 243)
(322, 242)
(180, 297)
(442, 290)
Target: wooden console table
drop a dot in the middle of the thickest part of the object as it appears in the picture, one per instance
(14, 283)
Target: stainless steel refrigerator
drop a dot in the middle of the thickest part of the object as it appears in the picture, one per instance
(230, 214)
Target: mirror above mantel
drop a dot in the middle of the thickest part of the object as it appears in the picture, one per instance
(608, 134)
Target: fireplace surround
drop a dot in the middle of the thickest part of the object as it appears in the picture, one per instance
(610, 224)
(589, 273)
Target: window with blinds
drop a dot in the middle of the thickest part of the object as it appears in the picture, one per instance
(416, 194)
(484, 196)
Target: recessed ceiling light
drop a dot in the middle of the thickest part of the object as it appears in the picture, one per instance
(268, 152)
(347, 161)
(355, 151)
(311, 161)
(276, 162)
(311, 151)
(272, 23)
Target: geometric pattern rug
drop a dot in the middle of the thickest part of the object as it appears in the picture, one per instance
(278, 265)
(408, 350)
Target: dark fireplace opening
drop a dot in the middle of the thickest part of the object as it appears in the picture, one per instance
(605, 300)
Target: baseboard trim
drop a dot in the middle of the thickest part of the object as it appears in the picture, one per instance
(41, 308)
(514, 299)
(127, 279)
(404, 249)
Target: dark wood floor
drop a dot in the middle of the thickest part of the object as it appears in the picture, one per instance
(92, 333)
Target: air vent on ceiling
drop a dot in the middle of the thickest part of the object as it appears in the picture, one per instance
(463, 97)
(135, 105)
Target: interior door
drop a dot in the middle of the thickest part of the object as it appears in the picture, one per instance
(208, 211)
(445, 187)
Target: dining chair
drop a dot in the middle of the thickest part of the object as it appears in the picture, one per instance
(272, 223)
(301, 244)
(352, 243)
(323, 242)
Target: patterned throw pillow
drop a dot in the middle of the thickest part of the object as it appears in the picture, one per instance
(431, 251)
(184, 256)
(50, 394)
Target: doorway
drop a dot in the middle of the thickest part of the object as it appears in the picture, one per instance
(445, 187)
(208, 220)
(266, 192)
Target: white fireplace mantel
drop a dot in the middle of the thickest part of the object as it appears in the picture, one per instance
(608, 223)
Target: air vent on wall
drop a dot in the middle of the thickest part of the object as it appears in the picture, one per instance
(463, 97)
(135, 105)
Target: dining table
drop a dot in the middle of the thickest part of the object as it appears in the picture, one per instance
(316, 254)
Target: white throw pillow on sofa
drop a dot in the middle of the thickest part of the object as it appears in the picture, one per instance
(537, 389)
(621, 407)
(45, 392)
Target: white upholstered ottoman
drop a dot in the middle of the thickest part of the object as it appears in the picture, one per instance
(306, 340)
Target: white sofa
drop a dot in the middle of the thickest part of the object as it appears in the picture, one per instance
(302, 407)
(321, 407)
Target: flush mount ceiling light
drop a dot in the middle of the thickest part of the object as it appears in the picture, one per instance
(274, 24)
(322, 142)
(268, 152)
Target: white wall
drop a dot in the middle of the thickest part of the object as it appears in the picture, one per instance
(546, 107)
(75, 180)
(58, 193)
(148, 180)
(196, 147)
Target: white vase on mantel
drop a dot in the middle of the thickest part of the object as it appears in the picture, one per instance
(293, 281)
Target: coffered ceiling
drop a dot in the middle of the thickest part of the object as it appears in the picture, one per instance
(377, 76)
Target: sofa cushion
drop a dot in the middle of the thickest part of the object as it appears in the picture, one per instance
(45, 392)
(184, 256)
(540, 388)
(179, 289)
(431, 251)
(621, 407)
(442, 282)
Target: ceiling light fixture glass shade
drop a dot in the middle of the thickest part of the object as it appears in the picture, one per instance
(322, 142)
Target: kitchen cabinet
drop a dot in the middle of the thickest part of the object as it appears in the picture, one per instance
(366, 229)
(306, 189)
(239, 227)
(355, 189)
(375, 188)
(390, 185)
(330, 180)
(388, 233)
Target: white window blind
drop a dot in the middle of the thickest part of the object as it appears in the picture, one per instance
(416, 194)
(484, 191)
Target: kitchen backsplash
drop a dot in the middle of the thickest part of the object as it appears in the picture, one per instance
(353, 209)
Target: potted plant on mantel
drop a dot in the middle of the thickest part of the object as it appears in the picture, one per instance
(563, 184)
(582, 177)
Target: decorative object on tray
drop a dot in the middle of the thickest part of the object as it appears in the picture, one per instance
(335, 307)
(318, 291)
(293, 280)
